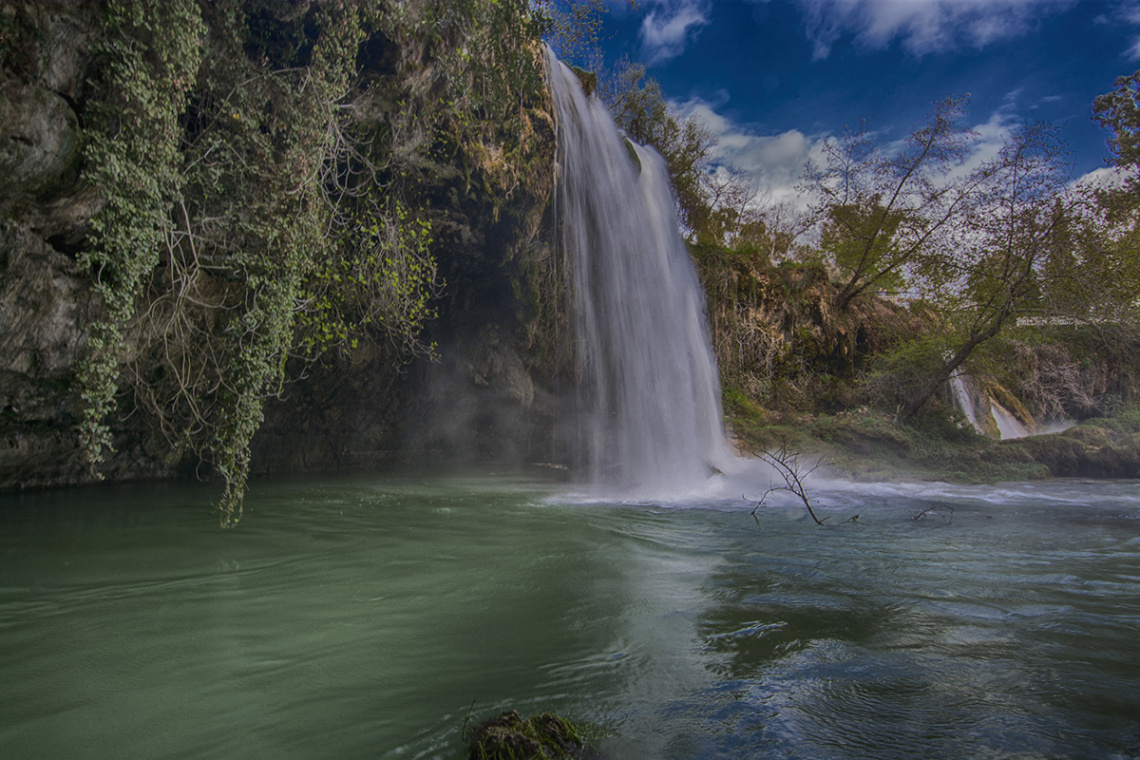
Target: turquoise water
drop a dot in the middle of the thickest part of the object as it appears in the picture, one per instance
(375, 617)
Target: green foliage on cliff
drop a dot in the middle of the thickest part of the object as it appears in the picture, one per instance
(150, 53)
(777, 335)
(266, 173)
(1013, 301)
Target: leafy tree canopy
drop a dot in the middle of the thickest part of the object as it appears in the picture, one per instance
(882, 212)
(1119, 111)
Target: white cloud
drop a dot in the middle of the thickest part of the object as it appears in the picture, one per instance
(922, 26)
(993, 135)
(1127, 12)
(669, 26)
(774, 163)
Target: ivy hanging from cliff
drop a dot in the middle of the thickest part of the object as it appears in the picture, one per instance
(150, 51)
(264, 196)
(244, 225)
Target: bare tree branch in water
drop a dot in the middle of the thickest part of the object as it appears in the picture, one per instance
(945, 511)
(787, 463)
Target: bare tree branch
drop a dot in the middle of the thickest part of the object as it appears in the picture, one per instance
(787, 464)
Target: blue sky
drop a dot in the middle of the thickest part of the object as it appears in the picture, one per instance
(773, 78)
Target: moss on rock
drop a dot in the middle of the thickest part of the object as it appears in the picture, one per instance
(509, 737)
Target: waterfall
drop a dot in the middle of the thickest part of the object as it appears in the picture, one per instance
(649, 376)
(1008, 425)
(965, 390)
(963, 400)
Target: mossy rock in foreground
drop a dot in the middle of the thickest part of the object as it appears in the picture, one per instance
(509, 737)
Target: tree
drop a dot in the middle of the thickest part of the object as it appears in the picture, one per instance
(883, 211)
(1106, 268)
(865, 238)
(572, 26)
(993, 271)
(1119, 111)
(773, 229)
(727, 215)
(1091, 284)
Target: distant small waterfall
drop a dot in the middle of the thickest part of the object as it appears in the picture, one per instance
(992, 417)
(1008, 425)
(650, 376)
(963, 401)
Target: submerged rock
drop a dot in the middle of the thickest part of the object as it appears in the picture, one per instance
(541, 736)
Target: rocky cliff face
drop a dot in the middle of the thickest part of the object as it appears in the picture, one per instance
(44, 212)
(488, 393)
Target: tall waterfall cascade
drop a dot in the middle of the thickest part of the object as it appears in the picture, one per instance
(654, 425)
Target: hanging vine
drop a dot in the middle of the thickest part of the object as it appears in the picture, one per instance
(262, 200)
(149, 52)
(274, 241)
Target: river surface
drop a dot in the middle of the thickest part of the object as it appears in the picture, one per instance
(376, 617)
